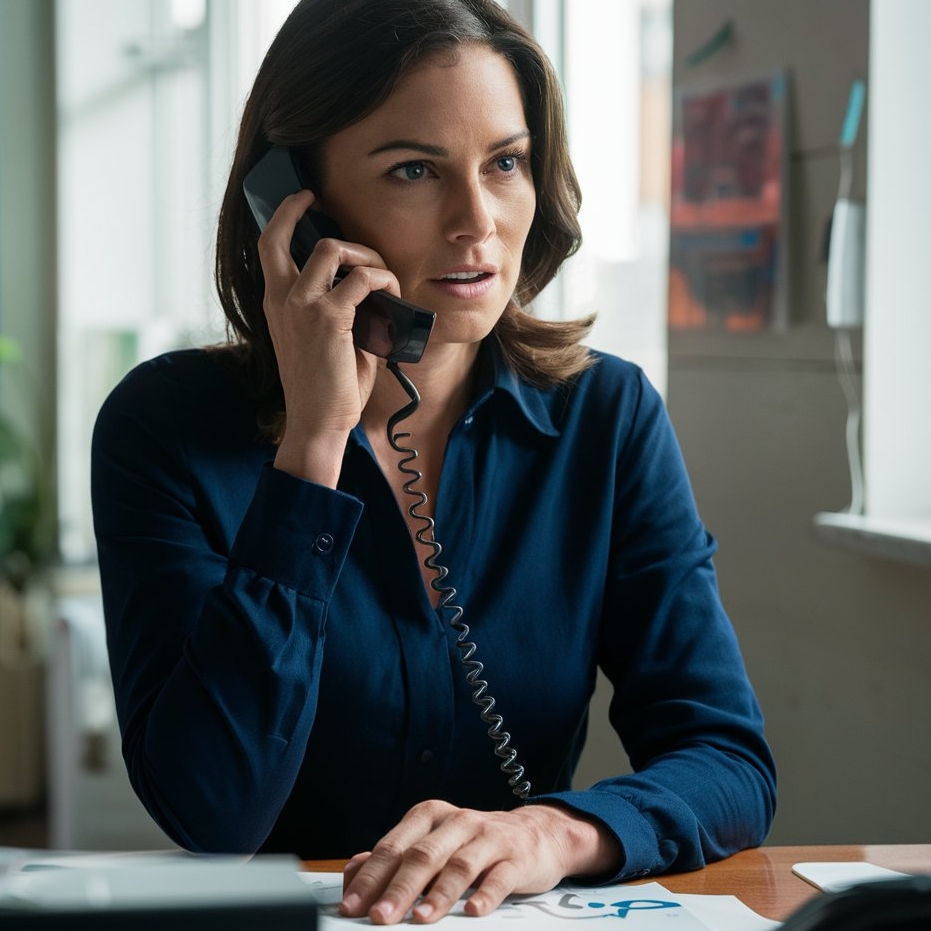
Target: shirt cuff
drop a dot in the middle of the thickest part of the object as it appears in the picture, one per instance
(296, 533)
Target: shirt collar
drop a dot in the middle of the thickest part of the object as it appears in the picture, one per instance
(497, 380)
(495, 377)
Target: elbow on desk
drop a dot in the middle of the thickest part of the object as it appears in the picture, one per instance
(210, 828)
(757, 803)
(201, 817)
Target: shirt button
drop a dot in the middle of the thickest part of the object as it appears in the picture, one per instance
(426, 756)
(323, 544)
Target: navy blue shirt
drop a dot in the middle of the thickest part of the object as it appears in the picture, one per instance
(283, 682)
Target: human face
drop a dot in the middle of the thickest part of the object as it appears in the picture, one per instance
(437, 180)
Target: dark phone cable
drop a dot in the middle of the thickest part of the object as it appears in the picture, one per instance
(486, 703)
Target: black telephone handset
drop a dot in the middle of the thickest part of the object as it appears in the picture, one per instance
(384, 325)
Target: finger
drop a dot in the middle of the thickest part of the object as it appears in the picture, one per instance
(341, 255)
(275, 240)
(353, 867)
(373, 877)
(495, 886)
(360, 282)
(445, 862)
(318, 282)
(368, 881)
(274, 243)
(467, 868)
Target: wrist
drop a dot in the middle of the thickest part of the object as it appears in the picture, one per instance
(589, 848)
(314, 459)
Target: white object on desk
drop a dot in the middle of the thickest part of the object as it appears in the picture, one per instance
(150, 882)
(835, 877)
(646, 907)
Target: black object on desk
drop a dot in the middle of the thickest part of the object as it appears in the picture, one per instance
(257, 917)
(881, 905)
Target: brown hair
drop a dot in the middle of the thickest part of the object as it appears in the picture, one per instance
(332, 63)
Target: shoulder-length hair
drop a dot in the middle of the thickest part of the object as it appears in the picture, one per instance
(332, 63)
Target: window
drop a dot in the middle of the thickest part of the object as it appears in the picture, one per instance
(149, 97)
(615, 61)
(134, 264)
(149, 93)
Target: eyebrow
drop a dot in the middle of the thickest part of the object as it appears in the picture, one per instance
(424, 148)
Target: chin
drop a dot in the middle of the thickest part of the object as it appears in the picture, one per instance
(463, 326)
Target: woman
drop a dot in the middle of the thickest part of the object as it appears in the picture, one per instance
(288, 661)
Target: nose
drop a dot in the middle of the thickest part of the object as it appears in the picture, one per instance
(470, 212)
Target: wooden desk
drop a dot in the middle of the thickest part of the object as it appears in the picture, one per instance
(762, 878)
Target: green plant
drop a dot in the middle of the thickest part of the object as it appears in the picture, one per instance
(26, 541)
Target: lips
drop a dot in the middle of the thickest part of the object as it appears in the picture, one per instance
(465, 276)
(466, 285)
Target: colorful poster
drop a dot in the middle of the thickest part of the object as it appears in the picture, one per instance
(726, 249)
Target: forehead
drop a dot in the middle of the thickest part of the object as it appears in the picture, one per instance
(469, 94)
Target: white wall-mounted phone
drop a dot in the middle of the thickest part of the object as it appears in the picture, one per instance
(846, 264)
(844, 296)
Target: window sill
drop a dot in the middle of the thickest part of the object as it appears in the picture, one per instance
(903, 539)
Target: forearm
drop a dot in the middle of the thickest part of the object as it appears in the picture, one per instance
(689, 808)
(216, 661)
(215, 753)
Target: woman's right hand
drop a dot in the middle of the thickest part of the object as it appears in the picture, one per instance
(326, 379)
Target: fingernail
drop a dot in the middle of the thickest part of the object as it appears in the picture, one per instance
(424, 910)
(385, 910)
(474, 906)
(350, 904)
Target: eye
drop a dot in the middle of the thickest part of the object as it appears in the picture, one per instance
(510, 163)
(410, 171)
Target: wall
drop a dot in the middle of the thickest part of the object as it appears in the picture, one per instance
(837, 644)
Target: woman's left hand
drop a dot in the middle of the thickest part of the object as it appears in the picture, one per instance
(439, 852)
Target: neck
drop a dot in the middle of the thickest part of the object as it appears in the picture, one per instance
(444, 380)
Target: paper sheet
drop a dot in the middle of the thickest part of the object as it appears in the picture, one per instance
(836, 876)
(646, 907)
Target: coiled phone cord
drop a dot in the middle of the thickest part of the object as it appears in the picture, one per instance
(486, 703)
